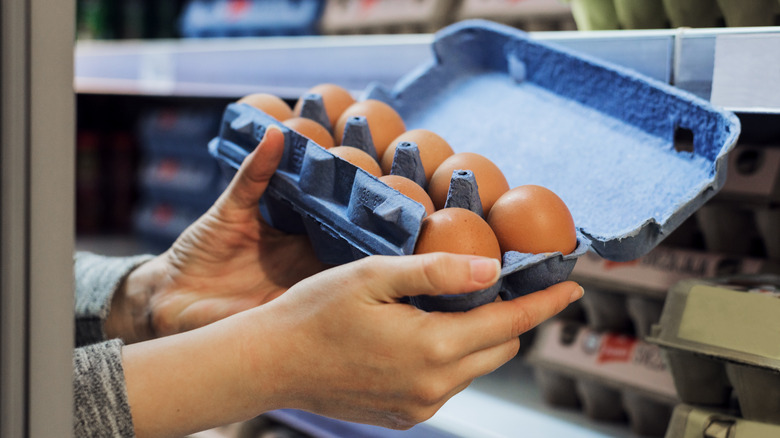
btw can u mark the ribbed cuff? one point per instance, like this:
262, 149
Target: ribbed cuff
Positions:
97, 278
101, 408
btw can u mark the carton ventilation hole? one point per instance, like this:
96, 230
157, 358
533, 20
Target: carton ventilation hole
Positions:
748, 162
683, 140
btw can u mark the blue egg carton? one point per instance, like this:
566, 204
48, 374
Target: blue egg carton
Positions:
600, 136
233, 18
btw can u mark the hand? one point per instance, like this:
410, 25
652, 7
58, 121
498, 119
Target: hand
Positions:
340, 344
229, 260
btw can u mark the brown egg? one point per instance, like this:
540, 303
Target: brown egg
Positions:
433, 150
269, 104
533, 219
336, 99
358, 158
410, 189
459, 231
383, 121
311, 130
491, 183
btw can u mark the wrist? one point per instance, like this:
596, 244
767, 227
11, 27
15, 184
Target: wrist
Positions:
130, 314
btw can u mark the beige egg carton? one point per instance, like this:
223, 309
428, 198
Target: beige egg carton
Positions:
722, 339
611, 377
530, 15
694, 422
386, 16
629, 296
632, 14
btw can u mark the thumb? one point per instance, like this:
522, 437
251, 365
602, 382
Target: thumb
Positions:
431, 274
251, 180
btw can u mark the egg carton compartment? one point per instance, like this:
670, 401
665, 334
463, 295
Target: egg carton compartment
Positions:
741, 228
526, 105
226, 18
610, 377
724, 334
386, 16
657, 14
177, 133
697, 422
530, 15
629, 296
753, 175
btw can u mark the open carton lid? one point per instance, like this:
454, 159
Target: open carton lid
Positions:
600, 136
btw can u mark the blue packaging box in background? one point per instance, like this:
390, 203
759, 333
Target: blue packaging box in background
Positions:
600, 136
230, 18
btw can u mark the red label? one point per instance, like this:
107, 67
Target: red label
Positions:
236, 8
611, 265
616, 348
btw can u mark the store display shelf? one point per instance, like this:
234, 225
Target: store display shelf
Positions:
287, 66
504, 403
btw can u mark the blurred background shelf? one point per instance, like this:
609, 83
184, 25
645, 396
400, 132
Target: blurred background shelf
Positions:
138, 92
288, 66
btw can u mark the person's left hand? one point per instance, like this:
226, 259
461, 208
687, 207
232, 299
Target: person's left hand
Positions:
227, 261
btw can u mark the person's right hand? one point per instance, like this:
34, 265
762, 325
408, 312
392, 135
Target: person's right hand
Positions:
339, 343
342, 345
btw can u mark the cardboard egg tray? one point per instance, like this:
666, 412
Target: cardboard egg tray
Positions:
386, 16
694, 422
176, 133
628, 297
610, 377
529, 15
753, 175
724, 336
741, 228
599, 136
225, 18
630, 14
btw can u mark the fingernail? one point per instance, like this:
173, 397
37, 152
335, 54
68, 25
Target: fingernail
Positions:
577, 294
485, 270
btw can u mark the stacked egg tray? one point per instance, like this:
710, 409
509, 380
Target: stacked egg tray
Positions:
226, 18
387, 16
656, 14
628, 297
611, 377
547, 115
695, 422
721, 340
622, 301
529, 15
745, 216
178, 180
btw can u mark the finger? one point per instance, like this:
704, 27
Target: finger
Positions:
252, 178
429, 274
487, 360
498, 322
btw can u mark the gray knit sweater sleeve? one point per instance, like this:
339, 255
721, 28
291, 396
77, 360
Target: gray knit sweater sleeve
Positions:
97, 277
100, 395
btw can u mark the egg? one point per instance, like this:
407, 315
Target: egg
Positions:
410, 189
358, 158
384, 123
311, 130
269, 104
491, 182
459, 231
335, 99
433, 150
533, 219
